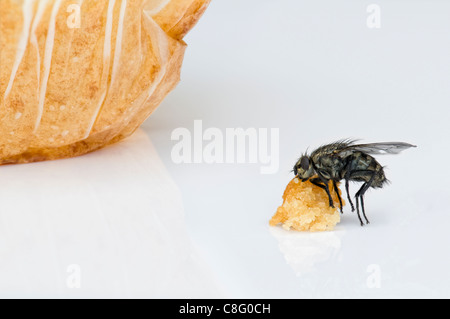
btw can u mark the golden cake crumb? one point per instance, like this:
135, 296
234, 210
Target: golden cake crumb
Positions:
305, 208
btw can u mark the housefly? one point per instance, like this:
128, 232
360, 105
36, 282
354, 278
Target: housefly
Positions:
345, 160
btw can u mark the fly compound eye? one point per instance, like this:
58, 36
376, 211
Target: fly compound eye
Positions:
304, 163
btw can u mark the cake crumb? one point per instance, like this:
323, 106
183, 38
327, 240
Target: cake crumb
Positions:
305, 208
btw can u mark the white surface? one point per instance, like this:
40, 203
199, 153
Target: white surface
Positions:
136, 224
108, 224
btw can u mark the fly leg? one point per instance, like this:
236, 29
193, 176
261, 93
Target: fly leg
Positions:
348, 193
361, 192
336, 190
323, 183
357, 210
347, 178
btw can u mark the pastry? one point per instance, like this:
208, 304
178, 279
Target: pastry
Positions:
76, 75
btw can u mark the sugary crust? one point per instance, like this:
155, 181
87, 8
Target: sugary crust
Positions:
305, 208
68, 89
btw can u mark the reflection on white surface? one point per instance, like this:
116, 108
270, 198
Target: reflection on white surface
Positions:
108, 224
303, 250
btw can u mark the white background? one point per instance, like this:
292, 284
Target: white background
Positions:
128, 222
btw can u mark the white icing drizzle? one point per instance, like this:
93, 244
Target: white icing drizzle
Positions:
27, 10
106, 63
49, 43
33, 38
118, 52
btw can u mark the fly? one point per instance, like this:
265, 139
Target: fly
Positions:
345, 160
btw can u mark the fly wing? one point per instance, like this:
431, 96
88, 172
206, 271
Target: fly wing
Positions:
334, 148
379, 148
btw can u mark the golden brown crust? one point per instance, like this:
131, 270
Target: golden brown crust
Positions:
305, 208
180, 16
66, 91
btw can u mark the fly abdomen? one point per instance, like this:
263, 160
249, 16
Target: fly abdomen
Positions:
364, 168
380, 179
